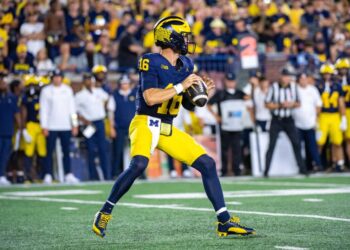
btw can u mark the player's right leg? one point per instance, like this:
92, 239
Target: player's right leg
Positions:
141, 141
184, 148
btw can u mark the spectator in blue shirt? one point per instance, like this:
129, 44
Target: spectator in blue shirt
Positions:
124, 98
9, 113
76, 39
309, 19
22, 61
99, 19
125, 20
73, 17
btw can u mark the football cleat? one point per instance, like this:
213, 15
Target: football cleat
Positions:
232, 226
100, 223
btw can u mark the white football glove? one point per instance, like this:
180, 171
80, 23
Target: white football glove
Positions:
26, 136
343, 123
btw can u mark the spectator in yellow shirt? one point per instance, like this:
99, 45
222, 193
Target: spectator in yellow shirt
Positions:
3, 40
295, 14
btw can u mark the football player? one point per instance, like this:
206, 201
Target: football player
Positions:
342, 66
332, 119
35, 140
164, 77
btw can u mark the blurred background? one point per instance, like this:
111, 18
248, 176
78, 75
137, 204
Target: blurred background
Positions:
244, 45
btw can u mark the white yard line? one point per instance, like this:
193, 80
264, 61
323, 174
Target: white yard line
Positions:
52, 192
290, 248
69, 208
248, 193
284, 184
173, 207
313, 200
233, 202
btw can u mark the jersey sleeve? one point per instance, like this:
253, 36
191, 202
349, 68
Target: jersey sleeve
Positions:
148, 73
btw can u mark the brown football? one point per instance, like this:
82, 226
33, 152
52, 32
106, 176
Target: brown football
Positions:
198, 94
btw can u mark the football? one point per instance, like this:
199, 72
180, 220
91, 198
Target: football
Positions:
198, 94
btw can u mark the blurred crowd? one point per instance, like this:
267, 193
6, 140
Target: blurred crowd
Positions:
89, 49
36, 35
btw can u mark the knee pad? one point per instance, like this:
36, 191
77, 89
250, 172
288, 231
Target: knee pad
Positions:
205, 165
138, 164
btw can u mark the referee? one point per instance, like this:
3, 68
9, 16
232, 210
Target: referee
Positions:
281, 99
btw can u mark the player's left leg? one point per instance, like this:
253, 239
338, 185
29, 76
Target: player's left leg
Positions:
183, 147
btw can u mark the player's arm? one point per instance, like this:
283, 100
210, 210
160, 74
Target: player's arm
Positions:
18, 120
24, 115
154, 96
342, 108
210, 86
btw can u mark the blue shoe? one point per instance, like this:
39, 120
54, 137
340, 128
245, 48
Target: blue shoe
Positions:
232, 226
100, 223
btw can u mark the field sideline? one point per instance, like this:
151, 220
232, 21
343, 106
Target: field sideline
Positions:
288, 213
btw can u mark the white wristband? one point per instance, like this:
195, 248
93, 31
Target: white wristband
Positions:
178, 88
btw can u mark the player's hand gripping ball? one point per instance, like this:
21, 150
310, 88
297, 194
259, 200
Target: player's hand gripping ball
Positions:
198, 93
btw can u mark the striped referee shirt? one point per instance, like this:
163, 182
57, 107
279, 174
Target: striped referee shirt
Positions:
278, 95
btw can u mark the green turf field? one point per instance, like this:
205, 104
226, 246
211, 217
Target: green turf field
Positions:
176, 215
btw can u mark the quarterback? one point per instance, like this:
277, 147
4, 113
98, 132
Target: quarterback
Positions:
164, 77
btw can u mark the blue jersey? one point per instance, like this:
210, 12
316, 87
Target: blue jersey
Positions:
330, 96
30, 100
8, 109
157, 72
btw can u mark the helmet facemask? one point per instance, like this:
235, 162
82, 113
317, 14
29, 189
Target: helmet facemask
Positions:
189, 43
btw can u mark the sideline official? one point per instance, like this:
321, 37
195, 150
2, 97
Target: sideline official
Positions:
282, 99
